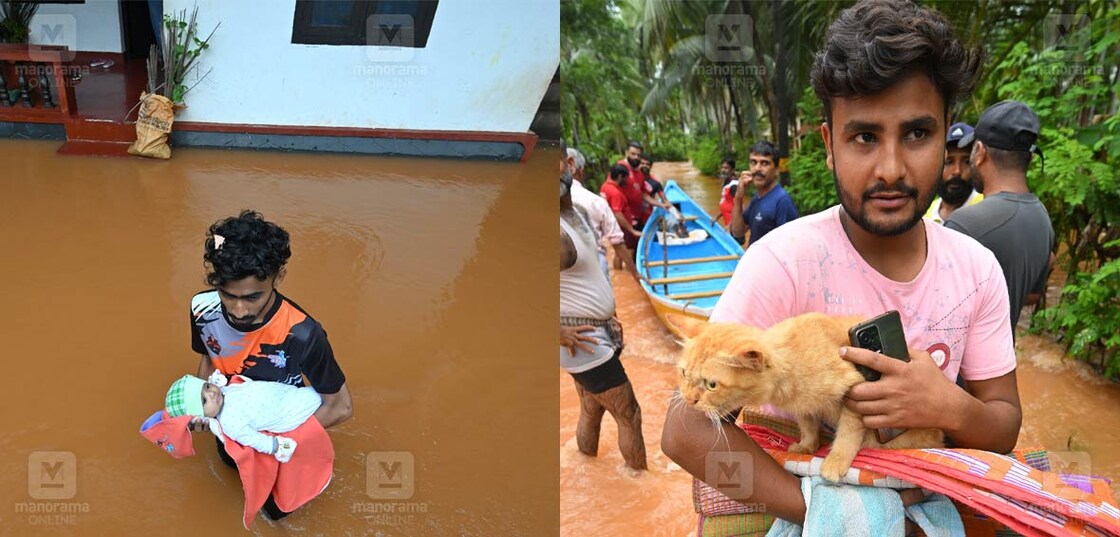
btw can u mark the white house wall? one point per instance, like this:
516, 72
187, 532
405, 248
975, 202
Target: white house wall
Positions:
94, 26
486, 67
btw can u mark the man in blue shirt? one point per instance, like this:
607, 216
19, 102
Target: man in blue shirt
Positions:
770, 206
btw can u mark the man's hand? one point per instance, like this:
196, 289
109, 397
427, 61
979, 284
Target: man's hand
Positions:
910, 395
572, 337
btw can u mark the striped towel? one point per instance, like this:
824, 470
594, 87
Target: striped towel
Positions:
1027, 500
832, 511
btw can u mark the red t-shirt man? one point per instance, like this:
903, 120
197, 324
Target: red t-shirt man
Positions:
619, 203
635, 189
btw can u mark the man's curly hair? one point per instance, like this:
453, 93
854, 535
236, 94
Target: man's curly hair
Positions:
252, 246
875, 43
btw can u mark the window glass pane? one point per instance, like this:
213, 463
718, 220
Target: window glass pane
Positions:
331, 13
398, 7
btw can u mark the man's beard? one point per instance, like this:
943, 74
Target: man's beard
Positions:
955, 191
634, 163
644, 170
884, 230
977, 179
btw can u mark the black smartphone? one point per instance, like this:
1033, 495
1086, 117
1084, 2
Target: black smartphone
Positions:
884, 335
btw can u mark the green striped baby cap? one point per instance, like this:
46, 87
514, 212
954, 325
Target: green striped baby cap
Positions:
185, 397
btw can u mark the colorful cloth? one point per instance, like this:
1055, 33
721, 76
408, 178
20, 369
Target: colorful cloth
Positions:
1015, 491
290, 484
171, 434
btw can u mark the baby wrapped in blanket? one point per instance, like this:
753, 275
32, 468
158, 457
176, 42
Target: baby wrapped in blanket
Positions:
246, 409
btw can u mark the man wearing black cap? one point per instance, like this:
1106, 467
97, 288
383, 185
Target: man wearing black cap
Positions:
1011, 222
956, 187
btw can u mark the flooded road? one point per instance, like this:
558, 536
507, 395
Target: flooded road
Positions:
1066, 407
417, 269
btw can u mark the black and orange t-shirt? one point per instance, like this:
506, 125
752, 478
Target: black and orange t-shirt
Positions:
287, 345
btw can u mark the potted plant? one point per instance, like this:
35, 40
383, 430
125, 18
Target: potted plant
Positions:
158, 105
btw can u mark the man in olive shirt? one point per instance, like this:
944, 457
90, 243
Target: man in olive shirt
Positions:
1011, 221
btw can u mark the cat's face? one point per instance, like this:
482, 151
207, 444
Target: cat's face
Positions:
724, 367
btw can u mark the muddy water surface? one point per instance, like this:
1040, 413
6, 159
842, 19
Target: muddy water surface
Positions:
418, 269
1066, 407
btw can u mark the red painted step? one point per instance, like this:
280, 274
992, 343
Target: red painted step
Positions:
95, 149
100, 130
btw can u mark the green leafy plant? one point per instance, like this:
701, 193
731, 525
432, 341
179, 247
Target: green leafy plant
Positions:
181, 49
811, 185
16, 15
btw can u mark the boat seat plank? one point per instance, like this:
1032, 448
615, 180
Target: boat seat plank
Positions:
690, 278
699, 294
728, 257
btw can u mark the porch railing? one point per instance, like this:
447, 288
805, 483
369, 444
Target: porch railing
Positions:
35, 84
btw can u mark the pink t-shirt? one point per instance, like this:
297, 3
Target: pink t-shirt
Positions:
956, 308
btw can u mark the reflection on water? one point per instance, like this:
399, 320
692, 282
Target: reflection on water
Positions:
417, 269
1066, 407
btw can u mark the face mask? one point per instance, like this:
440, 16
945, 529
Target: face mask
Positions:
565, 183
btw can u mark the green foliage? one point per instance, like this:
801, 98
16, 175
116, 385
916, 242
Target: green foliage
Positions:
15, 20
181, 48
1088, 317
1074, 93
811, 185
707, 155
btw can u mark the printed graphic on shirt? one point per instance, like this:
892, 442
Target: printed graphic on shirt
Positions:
288, 345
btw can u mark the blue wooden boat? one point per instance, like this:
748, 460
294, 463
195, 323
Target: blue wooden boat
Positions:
685, 276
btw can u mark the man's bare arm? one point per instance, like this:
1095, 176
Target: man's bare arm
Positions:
989, 417
689, 438
336, 408
625, 224
736, 225
623, 253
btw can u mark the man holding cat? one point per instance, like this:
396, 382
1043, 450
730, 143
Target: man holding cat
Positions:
887, 76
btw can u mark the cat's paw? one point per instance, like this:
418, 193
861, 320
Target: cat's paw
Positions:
803, 447
834, 468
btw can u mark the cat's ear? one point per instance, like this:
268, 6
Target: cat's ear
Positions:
752, 359
685, 326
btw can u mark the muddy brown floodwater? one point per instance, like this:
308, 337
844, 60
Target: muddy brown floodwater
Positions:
1066, 407
439, 310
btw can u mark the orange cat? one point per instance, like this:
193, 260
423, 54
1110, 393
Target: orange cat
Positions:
794, 365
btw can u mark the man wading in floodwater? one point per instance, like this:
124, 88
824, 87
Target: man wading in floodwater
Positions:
591, 338
244, 326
